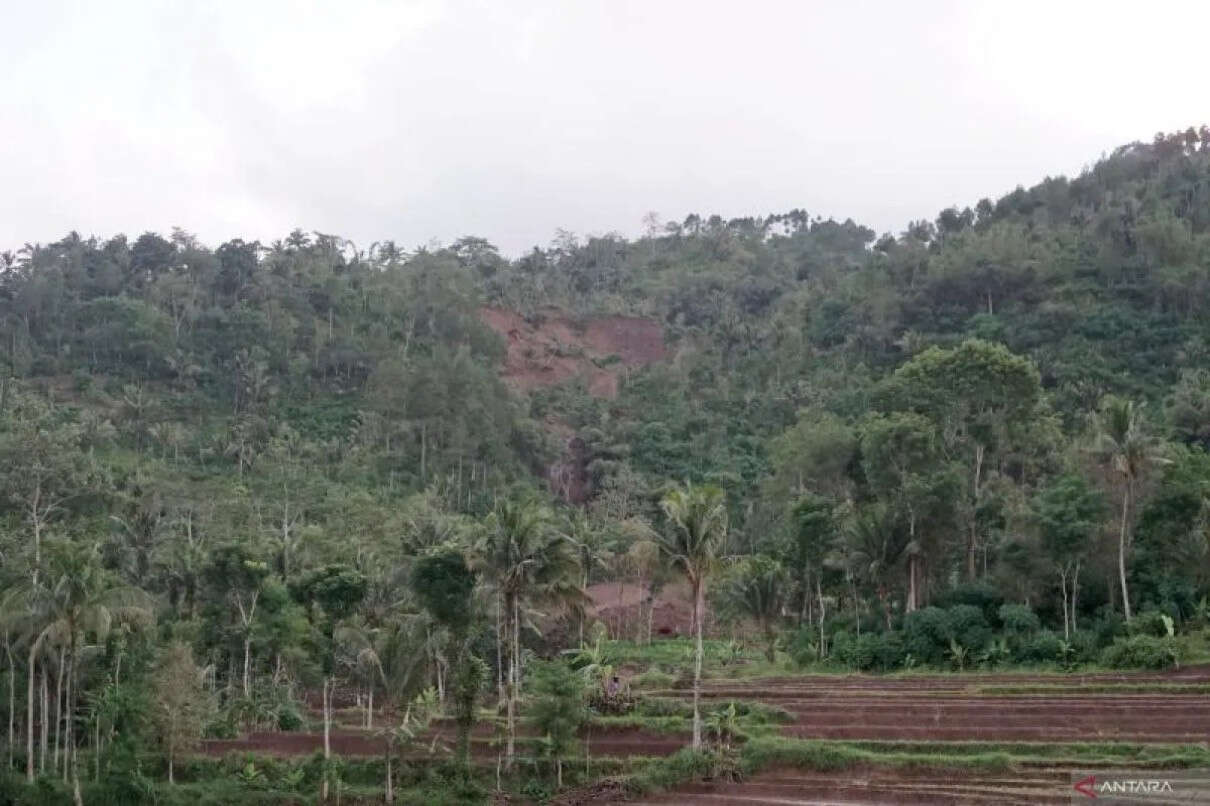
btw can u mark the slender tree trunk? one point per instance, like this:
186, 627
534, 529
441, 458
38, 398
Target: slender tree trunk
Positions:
29, 713
12, 697
698, 604
512, 685
823, 649
59, 710
45, 725
1066, 616
1122, 551
69, 734
327, 699
972, 537
500, 628
247, 664
171, 759
370, 710
1075, 592
390, 790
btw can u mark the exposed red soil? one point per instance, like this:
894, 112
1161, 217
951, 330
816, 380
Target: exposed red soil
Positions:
553, 348
617, 606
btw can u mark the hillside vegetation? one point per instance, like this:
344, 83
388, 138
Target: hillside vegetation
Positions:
979, 441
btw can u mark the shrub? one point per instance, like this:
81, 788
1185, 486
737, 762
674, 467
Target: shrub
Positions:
1141, 652
1018, 619
803, 648
1042, 647
1087, 647
870, 652
1149, 622
967, 625
926, 635
980, 595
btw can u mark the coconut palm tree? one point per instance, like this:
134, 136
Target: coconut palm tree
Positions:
1127, 450
526, 561
876, 545
77, 600
697, 531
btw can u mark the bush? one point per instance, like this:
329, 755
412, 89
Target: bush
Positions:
1149, 622
1042, 647
1108, 628
1141, 652
803, 648
869, 652
967, 626
926, 635
1018, 620
980, 595
1085, 647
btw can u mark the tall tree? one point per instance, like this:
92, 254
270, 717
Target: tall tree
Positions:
1069, 512
527, 561
979, 394
696, 533
901, 456
1128, 451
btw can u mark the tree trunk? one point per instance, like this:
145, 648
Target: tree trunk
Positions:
58, 710
823, 649
69, 744
1075, 588
972, 537
45, 724
29, 714
12, 697
327, 708
171, 759
390, 791
1122, 552
510, 748
1063, 596
247, 664
500, 627
698, 603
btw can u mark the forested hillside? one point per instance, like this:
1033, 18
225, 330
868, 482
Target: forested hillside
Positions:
255, 443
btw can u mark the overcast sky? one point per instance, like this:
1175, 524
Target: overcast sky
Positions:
423, 121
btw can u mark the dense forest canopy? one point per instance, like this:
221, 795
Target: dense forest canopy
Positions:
1008, 405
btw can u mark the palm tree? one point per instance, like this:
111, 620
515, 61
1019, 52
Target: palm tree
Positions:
1127, 450
77, 600
758, 591
697, 517
590, 546
876, 545
526, 561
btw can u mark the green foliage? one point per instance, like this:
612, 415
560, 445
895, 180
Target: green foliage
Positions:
1018, 620
557, 709
444, 583
1141, 652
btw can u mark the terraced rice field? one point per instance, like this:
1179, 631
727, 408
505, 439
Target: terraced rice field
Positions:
1134, 709
798, 788
955, 707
